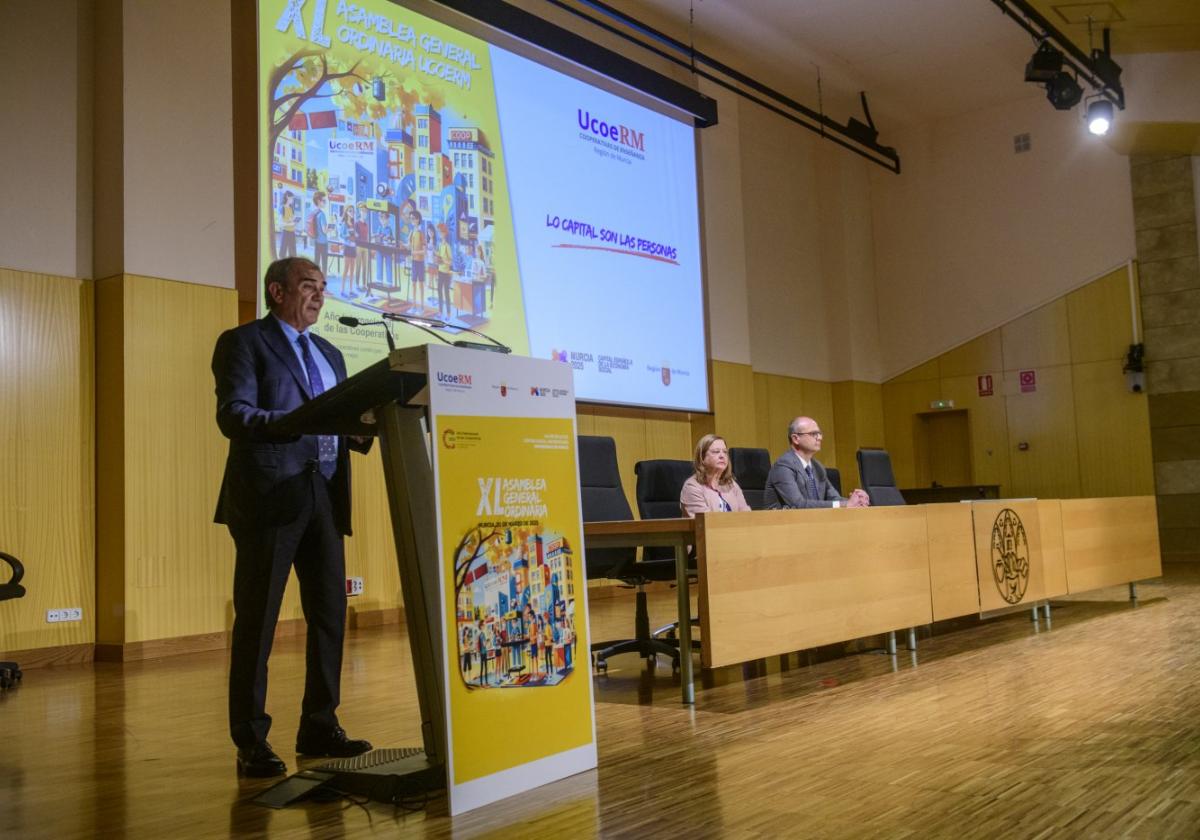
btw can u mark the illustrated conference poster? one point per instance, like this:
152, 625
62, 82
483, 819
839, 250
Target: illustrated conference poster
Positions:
514, 609
432, 175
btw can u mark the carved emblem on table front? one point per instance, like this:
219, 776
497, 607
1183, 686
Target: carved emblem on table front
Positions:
1010, 556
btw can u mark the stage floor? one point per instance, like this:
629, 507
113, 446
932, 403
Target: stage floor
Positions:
1089, 727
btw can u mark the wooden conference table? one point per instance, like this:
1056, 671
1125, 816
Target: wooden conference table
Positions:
772, 582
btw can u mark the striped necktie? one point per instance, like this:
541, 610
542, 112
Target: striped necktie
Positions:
812, 482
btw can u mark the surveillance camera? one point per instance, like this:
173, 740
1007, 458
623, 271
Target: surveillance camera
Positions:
1135, 380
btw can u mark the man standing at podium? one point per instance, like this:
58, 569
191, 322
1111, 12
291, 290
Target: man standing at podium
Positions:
286, 501
798, 480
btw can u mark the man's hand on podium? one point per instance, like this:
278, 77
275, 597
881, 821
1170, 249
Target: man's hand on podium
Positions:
859, 498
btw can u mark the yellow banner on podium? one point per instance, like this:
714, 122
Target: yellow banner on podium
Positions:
513, 592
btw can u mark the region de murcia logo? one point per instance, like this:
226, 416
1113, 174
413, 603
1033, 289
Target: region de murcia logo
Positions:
1010, 556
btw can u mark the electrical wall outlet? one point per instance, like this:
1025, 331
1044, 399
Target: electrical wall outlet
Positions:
68, 614
354, 586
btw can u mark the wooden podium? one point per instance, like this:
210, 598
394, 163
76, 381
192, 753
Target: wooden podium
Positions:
387, 400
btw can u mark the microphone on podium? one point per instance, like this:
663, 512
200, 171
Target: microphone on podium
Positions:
350, 321
429, 325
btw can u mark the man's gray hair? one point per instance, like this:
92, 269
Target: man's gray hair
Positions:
280, 272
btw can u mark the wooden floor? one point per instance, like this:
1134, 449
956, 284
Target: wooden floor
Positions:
1005, 728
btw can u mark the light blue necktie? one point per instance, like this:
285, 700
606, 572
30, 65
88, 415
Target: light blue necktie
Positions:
326, 444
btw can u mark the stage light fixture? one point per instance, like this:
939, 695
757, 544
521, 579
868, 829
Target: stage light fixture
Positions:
1044, 65
1099, 116
1063, 91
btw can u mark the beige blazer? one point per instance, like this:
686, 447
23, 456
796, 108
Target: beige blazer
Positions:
700, 498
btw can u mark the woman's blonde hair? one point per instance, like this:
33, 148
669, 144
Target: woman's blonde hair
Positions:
702, 446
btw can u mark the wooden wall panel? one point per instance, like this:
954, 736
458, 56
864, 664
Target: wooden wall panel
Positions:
902, 401
1114, 456
1045, 420
978, 356
988, 424
734, 403
818, 404
762, 410
1099, 317
928, 370
858, 422
845, 421
178, 563
371, 551
1039, 339
46, 498
109, 372
868, 414
1087, 435
785, 402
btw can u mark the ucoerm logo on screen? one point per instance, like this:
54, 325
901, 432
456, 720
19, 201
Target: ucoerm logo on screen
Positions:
623, 134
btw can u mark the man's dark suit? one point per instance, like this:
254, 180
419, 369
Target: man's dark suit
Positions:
787, 485
281, 512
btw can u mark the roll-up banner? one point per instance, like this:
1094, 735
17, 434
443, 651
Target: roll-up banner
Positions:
513, 595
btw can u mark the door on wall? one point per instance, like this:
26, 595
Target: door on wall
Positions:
943, 449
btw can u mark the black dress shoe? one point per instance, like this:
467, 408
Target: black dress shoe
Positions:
332, 743
259, 762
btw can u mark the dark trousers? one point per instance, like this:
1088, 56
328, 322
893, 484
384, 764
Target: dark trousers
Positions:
265, 556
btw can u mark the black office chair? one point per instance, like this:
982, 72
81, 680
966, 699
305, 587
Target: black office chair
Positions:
875, 470
750, 469
835, 478
10, 674
603, 500
658, 485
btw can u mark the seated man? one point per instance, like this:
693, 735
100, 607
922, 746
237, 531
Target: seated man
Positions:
797, 479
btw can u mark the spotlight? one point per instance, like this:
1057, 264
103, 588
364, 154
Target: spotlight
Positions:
1044, 65
1099, 116
1063, 91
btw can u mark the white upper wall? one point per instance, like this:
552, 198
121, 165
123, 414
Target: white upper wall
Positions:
45, 206
178, 132
972, 235
724, 237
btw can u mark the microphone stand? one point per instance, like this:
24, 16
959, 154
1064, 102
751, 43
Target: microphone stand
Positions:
436, 323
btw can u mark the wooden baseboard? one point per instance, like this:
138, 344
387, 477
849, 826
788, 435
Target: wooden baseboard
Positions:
359, 619
204, 642
47, 656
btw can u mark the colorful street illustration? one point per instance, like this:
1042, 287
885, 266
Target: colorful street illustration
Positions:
515, 595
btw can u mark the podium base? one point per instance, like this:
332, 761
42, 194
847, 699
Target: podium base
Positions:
387, 775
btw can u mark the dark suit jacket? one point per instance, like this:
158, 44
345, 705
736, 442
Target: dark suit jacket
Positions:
787, 485
259, 379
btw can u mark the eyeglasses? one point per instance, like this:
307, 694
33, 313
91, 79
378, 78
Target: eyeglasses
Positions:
814, 433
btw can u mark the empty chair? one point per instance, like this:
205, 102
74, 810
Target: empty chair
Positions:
875, 470
10, 673
750, 468
658, 485
603, 500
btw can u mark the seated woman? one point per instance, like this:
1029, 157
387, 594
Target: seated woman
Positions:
712, 487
